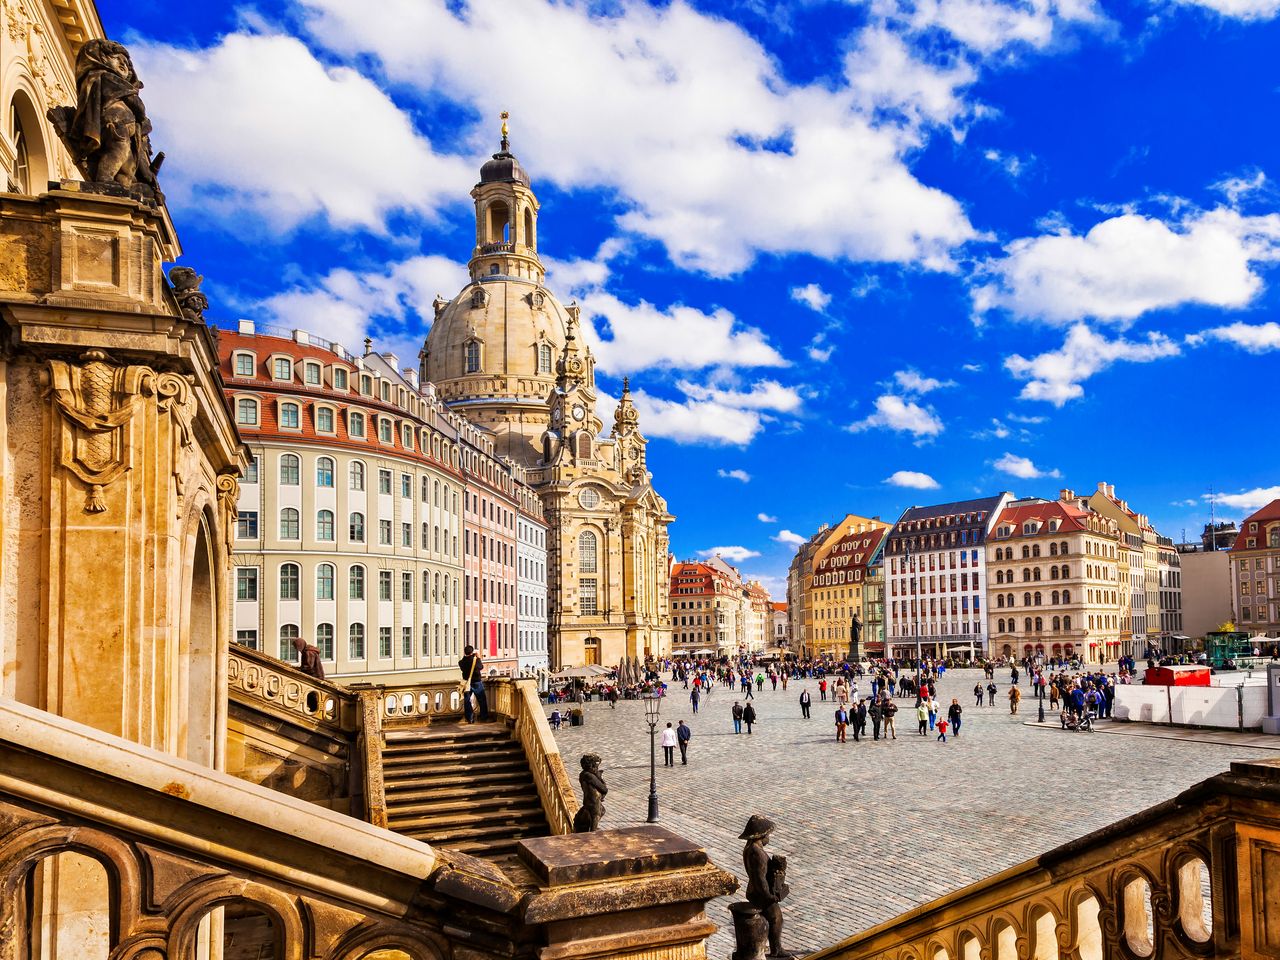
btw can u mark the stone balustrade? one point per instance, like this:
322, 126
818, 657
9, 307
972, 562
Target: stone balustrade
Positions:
158, 858
1196, 876
258, 679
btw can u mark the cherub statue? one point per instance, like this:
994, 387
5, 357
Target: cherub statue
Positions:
593, 791
107, 132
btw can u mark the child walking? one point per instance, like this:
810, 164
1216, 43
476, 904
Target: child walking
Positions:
942, 730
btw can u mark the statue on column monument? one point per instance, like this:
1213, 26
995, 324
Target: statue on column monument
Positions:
855, 639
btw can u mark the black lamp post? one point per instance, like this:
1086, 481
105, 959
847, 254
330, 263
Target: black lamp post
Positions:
652, 707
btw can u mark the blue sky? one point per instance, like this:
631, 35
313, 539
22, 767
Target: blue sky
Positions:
854, 256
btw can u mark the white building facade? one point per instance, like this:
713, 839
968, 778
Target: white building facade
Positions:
531, 587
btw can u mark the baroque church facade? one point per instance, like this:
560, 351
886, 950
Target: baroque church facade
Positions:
506, 353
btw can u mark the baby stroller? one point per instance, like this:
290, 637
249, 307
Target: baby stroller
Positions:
1071, 721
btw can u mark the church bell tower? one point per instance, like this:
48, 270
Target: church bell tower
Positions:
506, 219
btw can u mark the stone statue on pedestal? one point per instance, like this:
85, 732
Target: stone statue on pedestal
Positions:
758, 921
107, 132
186, 290
593, 790
855, 639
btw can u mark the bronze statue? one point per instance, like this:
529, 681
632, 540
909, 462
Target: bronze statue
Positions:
855, 639
186, 290
107, 132
593, 790
761, 915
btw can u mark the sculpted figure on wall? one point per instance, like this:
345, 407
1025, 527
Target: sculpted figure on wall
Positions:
107, 132
186, 290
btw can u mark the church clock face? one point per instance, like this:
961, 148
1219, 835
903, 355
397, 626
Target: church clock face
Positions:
579, 411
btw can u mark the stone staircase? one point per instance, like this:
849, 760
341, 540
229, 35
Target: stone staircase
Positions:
460, 786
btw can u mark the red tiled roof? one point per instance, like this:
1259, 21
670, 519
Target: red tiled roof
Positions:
861, 545
1270, 512
1069, 516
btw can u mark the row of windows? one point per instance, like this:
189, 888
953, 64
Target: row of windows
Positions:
1034, 599
473, 355
291, 476
440, 638
1032, 625
1032, 550
914, 563
1031, 574
436, 587
934, 607
433, 536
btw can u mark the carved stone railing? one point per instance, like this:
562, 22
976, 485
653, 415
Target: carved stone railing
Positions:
1196, 876
152, 856
260, 680
555, 789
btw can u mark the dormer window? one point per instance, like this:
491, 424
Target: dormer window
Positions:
244, 363
324, 420
386, 392
311, 374
290, 416
384, 430
366, 385
339, 378
355, 424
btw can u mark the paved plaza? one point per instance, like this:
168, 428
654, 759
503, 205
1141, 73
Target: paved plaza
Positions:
874, 829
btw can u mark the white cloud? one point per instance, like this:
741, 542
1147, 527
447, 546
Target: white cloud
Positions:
1129, 265
735, 475
903, 416
1234, 188
819, 353
642, 337
683, 115
765, 518
763, 395
256, 126
912, 479
788, 538
911, 381
812, 296
346, 306
887, 74
973, 367
732, 554
1247, 500
1056, 376
997, 431
1018, 418
1238, 9
989, 26
1254, 338
1011, 163
1022, 467
696, 421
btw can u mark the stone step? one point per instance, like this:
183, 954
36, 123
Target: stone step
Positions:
498, 823
500, 834
486, 745
504, 804
476, 770
495, 754
516, 783
450, 731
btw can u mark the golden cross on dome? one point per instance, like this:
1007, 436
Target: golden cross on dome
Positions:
505, 117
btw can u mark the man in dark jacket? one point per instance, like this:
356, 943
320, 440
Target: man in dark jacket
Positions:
472, 669
748, 716
859, 720
953, 714
683, 735
875, 714
737, 717
805, 700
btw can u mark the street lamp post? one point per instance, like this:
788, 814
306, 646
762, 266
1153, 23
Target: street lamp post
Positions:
652, 707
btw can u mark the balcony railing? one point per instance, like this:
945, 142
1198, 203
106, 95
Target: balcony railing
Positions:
1195, 876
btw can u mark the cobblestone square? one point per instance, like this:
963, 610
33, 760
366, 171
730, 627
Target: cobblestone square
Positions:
874, 829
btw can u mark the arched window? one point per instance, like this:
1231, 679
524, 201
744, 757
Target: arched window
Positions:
1039, 625
1066, 596
1026, 576
324, 640
1008, 600
999, 576
472, 356
289, 470
1053, 549
587, 552
324, 472
289, 415
1053, 573
355, 582
20, 170
1055, 596
289, 576
288, 633
324, 581
247, 411
530, 238
999, 599
1000, 625
1035, 550
1026, 623
355, 424
324, 525
355, 474
1038, 598
289, 528
1066, 573
1062, 548
1035, 574
1057, 624
544, 358
355, 642
1026, 552
355, 531
1026, 599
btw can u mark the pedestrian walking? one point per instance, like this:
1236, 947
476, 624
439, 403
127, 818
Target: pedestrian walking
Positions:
694, 697
842, 721
933, 713
953, 715
890, 709
876, 715
737, 717
922, 717
859, 721
977, 694
942, 730
668, 746
1015, 695
822, 688
748, 716
805, 701
991, 694
683, 736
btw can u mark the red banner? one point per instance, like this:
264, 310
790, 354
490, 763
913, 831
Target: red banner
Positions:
493, 639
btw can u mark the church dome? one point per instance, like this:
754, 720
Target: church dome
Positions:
503, 168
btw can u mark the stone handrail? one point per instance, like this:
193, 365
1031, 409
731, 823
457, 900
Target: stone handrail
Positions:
555, 789
262, 681
1193, 877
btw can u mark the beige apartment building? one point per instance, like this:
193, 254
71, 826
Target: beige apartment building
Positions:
1145, 551
1255, 573
801, 601
841, 587
1053, 575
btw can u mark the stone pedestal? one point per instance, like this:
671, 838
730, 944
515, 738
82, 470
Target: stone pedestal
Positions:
637, 892
750, 931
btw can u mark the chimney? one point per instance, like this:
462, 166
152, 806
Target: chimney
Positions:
1066, 494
